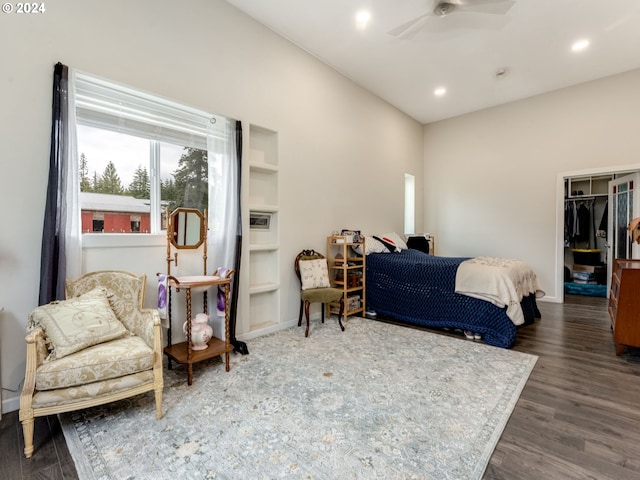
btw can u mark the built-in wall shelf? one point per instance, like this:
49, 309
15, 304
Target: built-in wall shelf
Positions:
264, 241
261, 167
263, 207
264, 247
263, 288
264, 310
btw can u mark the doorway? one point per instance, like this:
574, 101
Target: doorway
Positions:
583, 231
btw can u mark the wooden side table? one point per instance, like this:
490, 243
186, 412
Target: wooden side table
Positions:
182, 352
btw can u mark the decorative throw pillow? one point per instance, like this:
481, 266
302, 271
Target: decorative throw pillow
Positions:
388, 243
371, 245
314, 273
396, 239
77, 323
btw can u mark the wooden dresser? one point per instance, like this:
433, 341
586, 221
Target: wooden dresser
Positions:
624, 303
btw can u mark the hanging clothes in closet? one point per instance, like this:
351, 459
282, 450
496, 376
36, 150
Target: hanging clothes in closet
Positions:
604, 221
579, 217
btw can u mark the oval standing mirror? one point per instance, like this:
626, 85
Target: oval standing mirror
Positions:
187, 228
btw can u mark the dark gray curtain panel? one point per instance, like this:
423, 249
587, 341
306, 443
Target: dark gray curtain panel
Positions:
53, 261
238, 346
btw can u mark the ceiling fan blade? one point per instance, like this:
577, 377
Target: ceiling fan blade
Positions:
498, 7
404, 30
409, 29
465, 21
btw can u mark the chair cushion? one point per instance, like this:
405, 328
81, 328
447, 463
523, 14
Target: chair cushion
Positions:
94, 393
321, 295
314, 273
75, 324
109, 360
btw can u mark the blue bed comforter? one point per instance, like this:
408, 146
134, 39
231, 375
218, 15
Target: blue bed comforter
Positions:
418, 288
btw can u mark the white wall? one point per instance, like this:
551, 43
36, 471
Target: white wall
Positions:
491, 177
343, 152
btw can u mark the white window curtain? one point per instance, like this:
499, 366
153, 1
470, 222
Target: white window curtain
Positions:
223, 210
224, 151
73, 231
223, 184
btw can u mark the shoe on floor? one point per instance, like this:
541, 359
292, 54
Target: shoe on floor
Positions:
477, 336
468, 334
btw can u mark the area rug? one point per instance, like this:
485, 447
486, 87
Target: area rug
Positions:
376, 401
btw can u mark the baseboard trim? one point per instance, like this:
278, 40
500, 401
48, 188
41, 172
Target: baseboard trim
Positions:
10, 404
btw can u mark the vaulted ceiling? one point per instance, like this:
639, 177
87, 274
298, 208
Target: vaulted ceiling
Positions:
509, 51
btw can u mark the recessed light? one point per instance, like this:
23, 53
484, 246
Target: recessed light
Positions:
440, 91
362, 19
580, 45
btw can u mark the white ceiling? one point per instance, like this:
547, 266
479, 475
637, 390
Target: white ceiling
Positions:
461, 52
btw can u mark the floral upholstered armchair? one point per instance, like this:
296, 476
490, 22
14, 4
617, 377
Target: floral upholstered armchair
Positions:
97, 346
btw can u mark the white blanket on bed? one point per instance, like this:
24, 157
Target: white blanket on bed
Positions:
501, 281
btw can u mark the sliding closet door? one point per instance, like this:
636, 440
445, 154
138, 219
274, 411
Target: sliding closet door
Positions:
624, 205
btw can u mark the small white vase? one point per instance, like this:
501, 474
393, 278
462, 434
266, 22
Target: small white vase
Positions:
201, 331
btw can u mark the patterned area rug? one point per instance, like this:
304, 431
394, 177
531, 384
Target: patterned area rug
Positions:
375, 401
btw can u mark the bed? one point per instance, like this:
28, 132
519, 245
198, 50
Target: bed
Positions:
420, 289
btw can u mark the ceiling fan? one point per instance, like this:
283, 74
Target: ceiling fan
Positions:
446, 8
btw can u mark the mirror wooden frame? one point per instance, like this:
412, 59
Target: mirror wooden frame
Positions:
179, 225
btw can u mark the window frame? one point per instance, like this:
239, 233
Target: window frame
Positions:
182, 123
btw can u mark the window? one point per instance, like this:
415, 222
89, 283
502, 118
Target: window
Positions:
409, 203
140, 155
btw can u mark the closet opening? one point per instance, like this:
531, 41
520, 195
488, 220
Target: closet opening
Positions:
585, 236
591, 228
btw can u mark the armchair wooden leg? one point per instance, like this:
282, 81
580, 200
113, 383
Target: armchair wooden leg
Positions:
300, 314
158, 396
340, 313
306, 313
27, 431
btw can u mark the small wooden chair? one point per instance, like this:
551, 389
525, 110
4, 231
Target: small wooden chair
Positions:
315, 286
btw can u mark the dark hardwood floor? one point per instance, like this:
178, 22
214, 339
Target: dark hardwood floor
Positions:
578, 416
51, 459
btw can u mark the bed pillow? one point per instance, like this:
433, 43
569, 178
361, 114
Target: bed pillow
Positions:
388, 244
314, 274
396, 239
371, 245
392, 241
75, 324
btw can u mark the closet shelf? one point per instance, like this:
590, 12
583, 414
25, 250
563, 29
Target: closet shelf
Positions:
586, 197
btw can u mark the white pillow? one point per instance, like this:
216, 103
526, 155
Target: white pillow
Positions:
314, 273
77, 323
